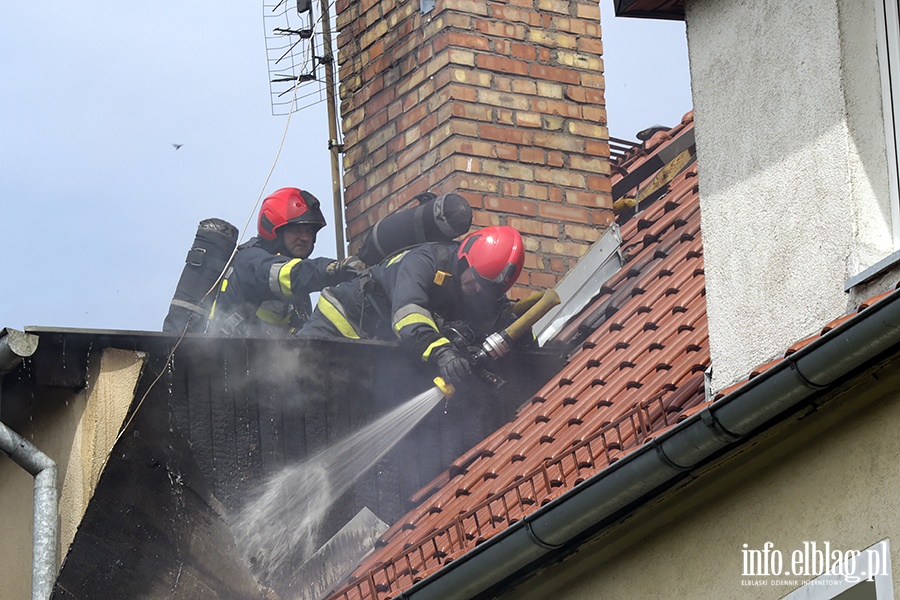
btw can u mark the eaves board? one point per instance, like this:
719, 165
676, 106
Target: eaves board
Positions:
651, 9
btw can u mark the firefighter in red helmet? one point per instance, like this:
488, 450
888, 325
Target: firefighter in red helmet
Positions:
409, 296
265, 291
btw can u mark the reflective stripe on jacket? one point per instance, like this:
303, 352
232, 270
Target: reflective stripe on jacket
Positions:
399, 299
267, 294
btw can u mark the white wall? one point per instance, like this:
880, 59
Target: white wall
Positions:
793, 184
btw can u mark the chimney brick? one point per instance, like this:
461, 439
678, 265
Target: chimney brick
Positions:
500, 101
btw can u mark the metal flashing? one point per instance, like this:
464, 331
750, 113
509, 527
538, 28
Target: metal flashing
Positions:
874, 271
353, 542
580, 285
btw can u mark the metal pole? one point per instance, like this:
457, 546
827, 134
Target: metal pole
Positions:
14, 347
333, 144
46, 509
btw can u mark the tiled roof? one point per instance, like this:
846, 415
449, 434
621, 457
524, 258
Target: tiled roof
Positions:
638, 370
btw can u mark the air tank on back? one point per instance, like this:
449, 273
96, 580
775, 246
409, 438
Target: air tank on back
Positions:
433, 219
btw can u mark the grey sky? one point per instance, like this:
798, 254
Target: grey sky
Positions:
99, 208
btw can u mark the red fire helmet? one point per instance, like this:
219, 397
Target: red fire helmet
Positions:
288, 205
496, 254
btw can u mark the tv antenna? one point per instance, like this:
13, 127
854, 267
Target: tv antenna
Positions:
300, 74
294, 55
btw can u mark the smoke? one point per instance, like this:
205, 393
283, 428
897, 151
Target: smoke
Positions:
282, 371
276, 366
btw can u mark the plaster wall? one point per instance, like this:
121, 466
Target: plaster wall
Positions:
95, 434
793, 179
76, 430
870, 190
15, 530
830, 476
51, 428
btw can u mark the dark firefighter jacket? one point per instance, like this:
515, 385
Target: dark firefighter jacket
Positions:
267, 294
406, 297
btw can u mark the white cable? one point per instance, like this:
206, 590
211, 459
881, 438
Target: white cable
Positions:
218, 279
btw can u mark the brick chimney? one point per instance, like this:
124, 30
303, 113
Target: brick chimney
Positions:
501, 102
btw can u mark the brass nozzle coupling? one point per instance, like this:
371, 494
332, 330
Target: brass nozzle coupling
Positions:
446, 388
496, 345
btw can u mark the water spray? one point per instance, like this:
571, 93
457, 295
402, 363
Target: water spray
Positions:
278, 529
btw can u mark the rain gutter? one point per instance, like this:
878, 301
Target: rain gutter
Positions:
14, 347
663, 461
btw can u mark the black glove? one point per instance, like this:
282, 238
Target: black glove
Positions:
453, 366
350, 266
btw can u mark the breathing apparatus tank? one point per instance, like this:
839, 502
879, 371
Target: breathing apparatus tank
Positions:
213, 246
434, 219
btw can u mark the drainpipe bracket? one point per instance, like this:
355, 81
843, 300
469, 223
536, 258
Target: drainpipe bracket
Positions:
792, 364
665, 458
537, 540
717, 429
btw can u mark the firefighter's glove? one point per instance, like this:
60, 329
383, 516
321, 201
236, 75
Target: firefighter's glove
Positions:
453, 366
349, 267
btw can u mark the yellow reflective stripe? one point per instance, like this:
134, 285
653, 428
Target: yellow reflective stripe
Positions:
273, 317
396, 258
413, 319
284, 276
412, 314
441, 342
330, 312
212, 309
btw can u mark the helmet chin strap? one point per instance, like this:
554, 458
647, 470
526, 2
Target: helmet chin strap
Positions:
460, 266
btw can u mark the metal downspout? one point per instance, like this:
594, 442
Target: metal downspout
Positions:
14, 347
660, 463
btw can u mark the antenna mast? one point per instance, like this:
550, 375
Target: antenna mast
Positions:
293, 64
333, 145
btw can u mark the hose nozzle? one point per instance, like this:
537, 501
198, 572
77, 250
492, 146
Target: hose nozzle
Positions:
446, 388
534, 307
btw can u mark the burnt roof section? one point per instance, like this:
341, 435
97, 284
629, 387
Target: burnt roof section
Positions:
235, 412
642, 350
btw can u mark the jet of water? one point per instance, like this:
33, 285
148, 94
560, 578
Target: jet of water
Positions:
278, 528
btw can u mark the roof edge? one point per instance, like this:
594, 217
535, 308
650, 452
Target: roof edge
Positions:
658, 9
663, 461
